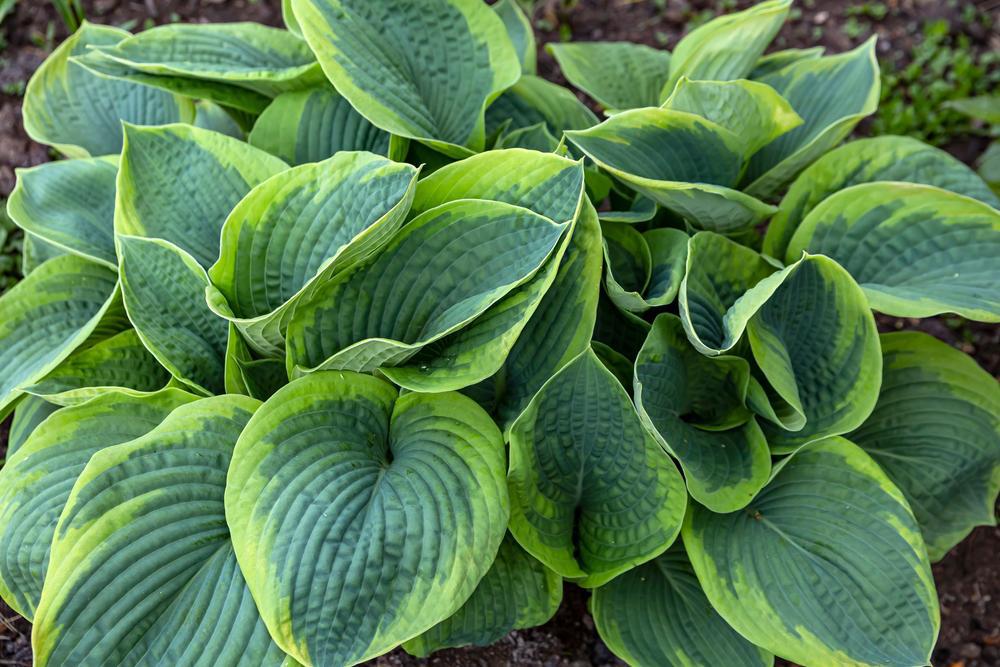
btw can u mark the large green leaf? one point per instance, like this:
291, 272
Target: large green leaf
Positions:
520, 31
80, 113
656, 615
362, 518
69, 203
619, 75
427, 283
727, 47
46, 316
242, 103
592, 495
295, 231
375, 52
936, 432
36, 481
775, 60
561, 326
753, 111
885, 158
830, 570
120, 363
685, 163
715, 298
815, 341
644, 270
30, 412
696, 408
142, 565
248, 55
832, 95
311, 125
164, 291
916, 250
517, 592
179, 182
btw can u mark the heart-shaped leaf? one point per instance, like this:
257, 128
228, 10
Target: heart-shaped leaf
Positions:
70, 203
831, 567
143, 555
592, 495
936, 432
80, 113
618, 75
178, 183
46, 316
916, 250
52, 458
339, 486
375, 53
885, 158
657, 614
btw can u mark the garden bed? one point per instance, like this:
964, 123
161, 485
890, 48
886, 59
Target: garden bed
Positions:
968, 578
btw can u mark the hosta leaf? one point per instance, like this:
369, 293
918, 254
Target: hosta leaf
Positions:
561, 326
775, 60
831, 567
211, 116
517, 592
339, 486
311, 125
164, 291
376, 55
52, 458
249, 55
638, 209
715, 300
30, 412
618, 75
120, 363
832, 95
37, 251
916, 250
658, 615
69, 203
178, 183
644, 270
815, 341
521, 34
591, 493
727, 47
885, 158
298, 229
534, 100
663, 154
362, 319
936, 432
228, 95
80, 113
752, 111
142, 565
46, 316
695, 406
549, 185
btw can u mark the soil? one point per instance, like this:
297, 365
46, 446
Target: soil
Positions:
968, 578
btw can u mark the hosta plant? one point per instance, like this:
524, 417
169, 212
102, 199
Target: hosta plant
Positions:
359, 334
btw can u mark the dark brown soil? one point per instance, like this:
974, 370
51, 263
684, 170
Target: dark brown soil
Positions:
968, 578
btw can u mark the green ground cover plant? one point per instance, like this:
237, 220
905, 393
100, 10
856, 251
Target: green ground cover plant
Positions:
359, 334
